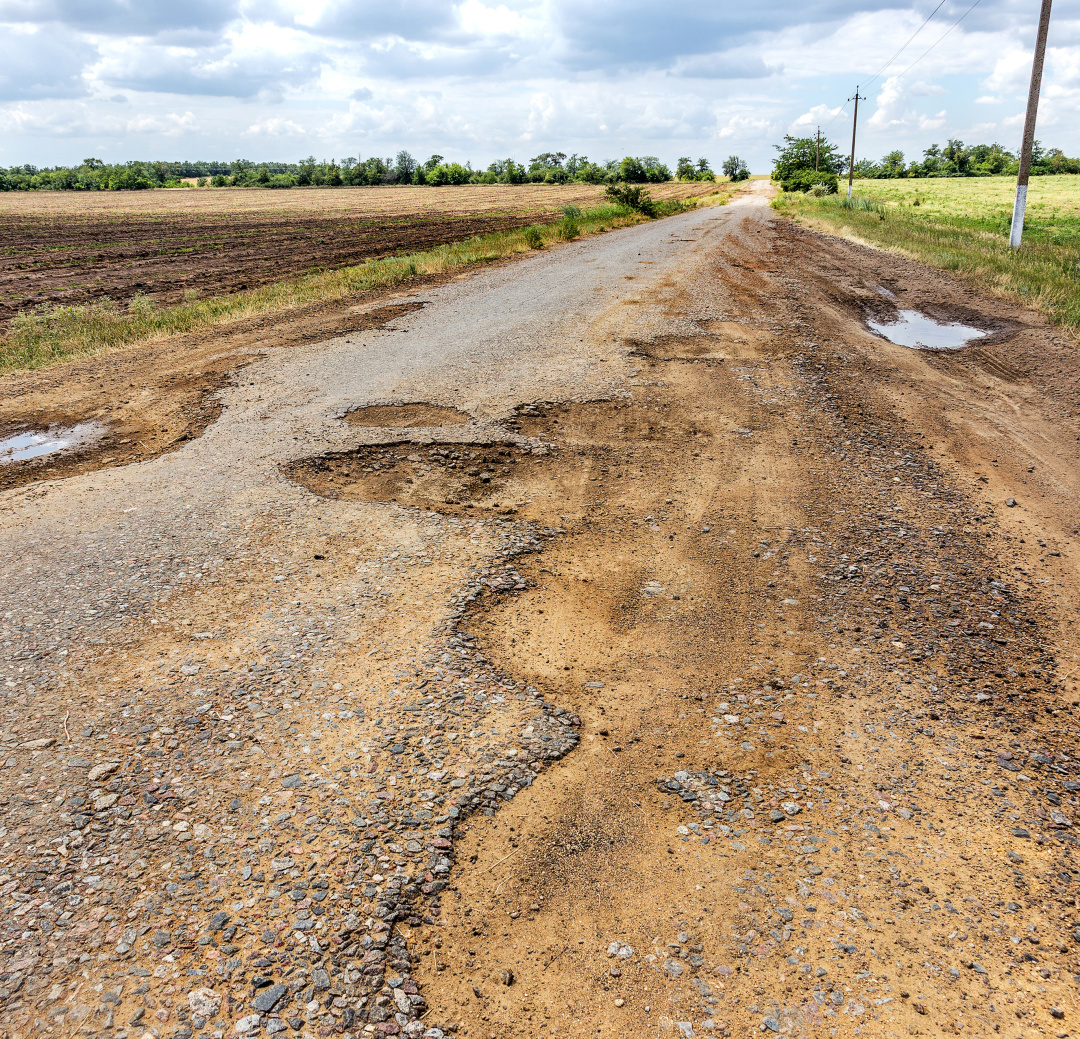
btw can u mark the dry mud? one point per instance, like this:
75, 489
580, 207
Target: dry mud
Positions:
738, 699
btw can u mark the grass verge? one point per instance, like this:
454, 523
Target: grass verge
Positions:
1044, 274
50, 335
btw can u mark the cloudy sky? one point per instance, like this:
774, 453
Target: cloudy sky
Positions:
480, 79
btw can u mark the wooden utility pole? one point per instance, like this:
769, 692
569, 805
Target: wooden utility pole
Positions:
817, 150
854, 126
1016, 233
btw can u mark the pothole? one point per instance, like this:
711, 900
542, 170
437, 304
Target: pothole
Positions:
31, 444
683, 348
918, 331
451, 478
419, 415
617, 423
573, 454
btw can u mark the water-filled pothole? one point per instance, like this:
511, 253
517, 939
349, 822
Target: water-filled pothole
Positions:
30, 444
920, 332
419, 415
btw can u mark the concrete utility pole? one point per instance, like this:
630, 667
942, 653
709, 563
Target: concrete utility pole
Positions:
854, 125
1016, 233
817, 150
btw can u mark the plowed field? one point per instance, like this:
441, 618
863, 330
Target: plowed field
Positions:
70, 248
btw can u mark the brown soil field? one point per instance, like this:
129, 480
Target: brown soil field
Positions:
70, 248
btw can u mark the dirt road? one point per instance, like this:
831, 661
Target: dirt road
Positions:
619, 642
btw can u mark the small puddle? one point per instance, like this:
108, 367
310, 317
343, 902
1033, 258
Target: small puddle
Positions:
35, 444
924, 333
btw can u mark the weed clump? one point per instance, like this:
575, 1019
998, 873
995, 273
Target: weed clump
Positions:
633, 197
568, 229
534, 239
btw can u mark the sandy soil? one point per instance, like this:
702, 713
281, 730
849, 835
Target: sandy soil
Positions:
716, 675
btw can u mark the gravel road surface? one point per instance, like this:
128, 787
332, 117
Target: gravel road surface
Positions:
623, 640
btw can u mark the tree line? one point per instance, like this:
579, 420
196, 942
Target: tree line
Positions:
803, 162
546, 168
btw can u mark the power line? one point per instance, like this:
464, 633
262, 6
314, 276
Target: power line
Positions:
942, 37
921, 56
907, 44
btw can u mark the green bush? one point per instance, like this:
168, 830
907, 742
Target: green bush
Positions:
571, 211
736, 169
802, 154
568, 229
804, 180
635, 198
675, 205
533, 237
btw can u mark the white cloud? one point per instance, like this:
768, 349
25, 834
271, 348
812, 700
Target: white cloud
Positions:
484, 78
275, 128
817, 116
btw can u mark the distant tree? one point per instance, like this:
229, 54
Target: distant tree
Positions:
542, 166
404, 167
576, 163
643, 169
631, 171
893, 164
684, 169
591, 173
507, 171
735, 168
307, 171
704, 170
798, 153
955, 158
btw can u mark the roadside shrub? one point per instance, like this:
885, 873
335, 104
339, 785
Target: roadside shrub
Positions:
635, 198
568, 229
804, 180
675, 205
533, 237
571, 211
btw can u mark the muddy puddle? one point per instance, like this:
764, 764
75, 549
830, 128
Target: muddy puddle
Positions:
32, 444
918, 331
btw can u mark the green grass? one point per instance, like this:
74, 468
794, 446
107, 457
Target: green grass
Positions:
962, 225
50, 335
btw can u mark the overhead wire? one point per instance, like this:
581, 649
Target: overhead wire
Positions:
910, 40
843, 110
